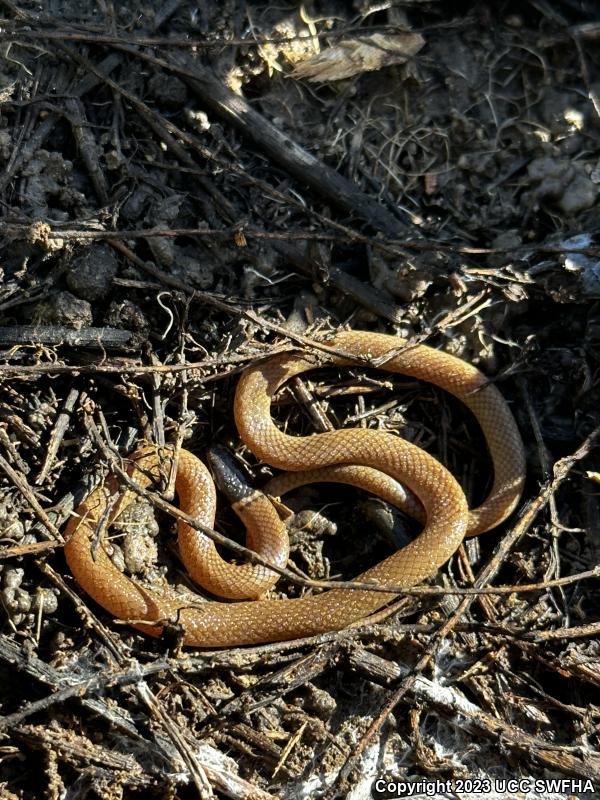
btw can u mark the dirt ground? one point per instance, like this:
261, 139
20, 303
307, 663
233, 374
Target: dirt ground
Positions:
188, 187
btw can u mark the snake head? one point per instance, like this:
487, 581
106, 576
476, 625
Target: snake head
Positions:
227, 475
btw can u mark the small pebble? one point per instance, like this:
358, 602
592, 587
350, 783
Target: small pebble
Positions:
63, 308
91, 274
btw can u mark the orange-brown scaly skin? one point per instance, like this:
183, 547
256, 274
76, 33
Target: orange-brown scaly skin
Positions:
448, 520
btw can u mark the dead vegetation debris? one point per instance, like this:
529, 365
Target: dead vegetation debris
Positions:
186, 187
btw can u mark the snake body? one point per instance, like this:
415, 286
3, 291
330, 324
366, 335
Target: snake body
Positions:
322, 456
